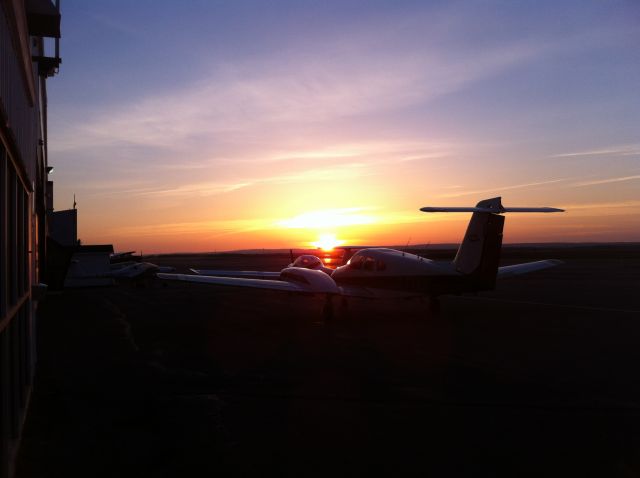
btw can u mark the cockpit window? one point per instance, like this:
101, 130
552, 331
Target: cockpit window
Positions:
307, 262
363, 262
369, 264
356, 262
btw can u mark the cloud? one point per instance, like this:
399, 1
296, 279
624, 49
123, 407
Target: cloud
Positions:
631, 150
331, 163
210, 188
212, 228
603, 205
499, 189
287, 90
606, 181
395, 151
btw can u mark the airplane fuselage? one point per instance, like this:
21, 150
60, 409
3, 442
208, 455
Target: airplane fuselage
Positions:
390, 269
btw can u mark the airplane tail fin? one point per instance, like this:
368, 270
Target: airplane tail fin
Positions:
479, 252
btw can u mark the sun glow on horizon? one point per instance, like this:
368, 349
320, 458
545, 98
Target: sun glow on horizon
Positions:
327, 242
329, 218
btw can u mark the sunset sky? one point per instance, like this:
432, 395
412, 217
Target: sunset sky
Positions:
221, 125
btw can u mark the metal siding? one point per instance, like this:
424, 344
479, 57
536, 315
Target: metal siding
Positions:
3, 233
21, 117
21, 129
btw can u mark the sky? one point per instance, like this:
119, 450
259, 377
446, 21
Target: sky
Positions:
235, 124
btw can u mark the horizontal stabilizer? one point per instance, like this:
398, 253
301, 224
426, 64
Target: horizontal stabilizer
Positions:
518, 269
491, 210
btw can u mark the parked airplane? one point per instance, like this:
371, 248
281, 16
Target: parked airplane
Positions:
388, 273
125, 265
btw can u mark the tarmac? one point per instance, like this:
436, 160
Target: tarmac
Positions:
538, 378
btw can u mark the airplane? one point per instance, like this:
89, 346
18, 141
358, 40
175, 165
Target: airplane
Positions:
127, 256
134, 270
125, 265
380, 272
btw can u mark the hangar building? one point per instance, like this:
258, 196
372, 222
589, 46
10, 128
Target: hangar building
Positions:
25, 26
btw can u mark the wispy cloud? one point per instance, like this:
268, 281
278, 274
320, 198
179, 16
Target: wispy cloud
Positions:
333, 163
606, 181
284, 90
630, 150
210, 228
499, 189
211, 188
596, 206
394, 151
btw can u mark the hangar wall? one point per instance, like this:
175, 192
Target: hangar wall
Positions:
24, 68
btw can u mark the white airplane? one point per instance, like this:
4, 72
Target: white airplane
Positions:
388, 273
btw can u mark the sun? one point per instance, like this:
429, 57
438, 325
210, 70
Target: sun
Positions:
327, 242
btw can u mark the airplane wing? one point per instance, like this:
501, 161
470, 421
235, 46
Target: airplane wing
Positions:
134, 270
237, 282
290, 286
242, 274
373, 293
517, 269
291, 280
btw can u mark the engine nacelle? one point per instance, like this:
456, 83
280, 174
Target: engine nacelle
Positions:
316, 281
309, 261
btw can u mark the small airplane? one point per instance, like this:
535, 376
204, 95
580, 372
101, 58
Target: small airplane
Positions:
379, 272
126, 265
127, 256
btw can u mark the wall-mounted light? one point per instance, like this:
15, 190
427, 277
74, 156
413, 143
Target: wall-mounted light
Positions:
49, 169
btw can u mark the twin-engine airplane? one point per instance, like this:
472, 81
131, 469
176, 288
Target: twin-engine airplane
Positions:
388, 273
